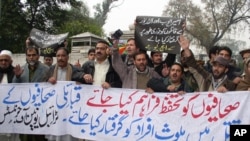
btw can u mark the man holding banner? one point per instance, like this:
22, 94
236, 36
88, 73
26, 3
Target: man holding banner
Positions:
32, 71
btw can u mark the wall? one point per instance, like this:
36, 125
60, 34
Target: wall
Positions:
20, 58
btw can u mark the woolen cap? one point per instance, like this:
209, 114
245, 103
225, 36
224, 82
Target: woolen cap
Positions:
6, 52
244, 51
221, 60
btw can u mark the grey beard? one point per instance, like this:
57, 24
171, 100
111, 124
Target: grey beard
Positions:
32, 63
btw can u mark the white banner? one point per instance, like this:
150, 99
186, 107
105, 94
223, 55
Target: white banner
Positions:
90, 112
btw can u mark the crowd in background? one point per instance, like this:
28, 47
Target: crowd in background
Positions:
136, 69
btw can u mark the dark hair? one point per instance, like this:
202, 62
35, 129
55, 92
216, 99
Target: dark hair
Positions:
178, 64
153, 52
48, 55
32, 48
64, 49
226, 49
213, 50
92, 50
129, 39
139, 53
103, 41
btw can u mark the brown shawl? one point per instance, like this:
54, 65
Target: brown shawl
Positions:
68, 73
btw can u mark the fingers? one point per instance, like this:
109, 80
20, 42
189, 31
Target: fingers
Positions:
149, 90
52, 80
222, 89
105, 85
88, 78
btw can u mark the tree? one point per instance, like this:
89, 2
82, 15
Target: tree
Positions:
47, 15
102, 11
18, 17
13, 26
209, 22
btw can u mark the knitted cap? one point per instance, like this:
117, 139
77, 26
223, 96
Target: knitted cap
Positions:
6, 52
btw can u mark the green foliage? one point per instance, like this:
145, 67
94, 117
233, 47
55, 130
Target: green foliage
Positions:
18, 17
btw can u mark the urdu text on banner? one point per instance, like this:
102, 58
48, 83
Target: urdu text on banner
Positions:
90, 112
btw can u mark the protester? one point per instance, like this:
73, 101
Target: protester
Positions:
6, 68
211, 54
6, 76
100, 71
156, 62
63, 71
134, 76
91, 54
48, 60
32, 71
244, 84
131, 49
215, 81
173, 83
188, 76
245, 54
233, 72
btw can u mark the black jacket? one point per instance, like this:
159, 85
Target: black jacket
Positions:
10, 73
111, 77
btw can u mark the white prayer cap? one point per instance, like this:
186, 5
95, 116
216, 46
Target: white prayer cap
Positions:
6, 52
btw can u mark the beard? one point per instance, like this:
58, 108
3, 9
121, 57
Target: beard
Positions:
218, 76
32, 63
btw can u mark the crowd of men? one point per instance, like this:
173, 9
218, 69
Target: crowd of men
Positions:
108, 68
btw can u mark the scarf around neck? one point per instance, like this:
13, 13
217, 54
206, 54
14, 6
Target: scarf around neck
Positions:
68, 73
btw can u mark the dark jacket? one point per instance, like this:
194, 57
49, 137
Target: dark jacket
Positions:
77, 74
204, 78
111, 77
169, 60
10, 73
160, 85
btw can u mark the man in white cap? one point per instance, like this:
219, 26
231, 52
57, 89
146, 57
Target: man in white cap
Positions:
6, 76
6, 68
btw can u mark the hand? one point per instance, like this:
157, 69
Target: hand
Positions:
115, 44
236, 80
149, 90
77, 64
52, 80
181, 92
105, 85
18, 71
171, 88
184, 42
88, 78
222, 89
165, 70
184, 25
